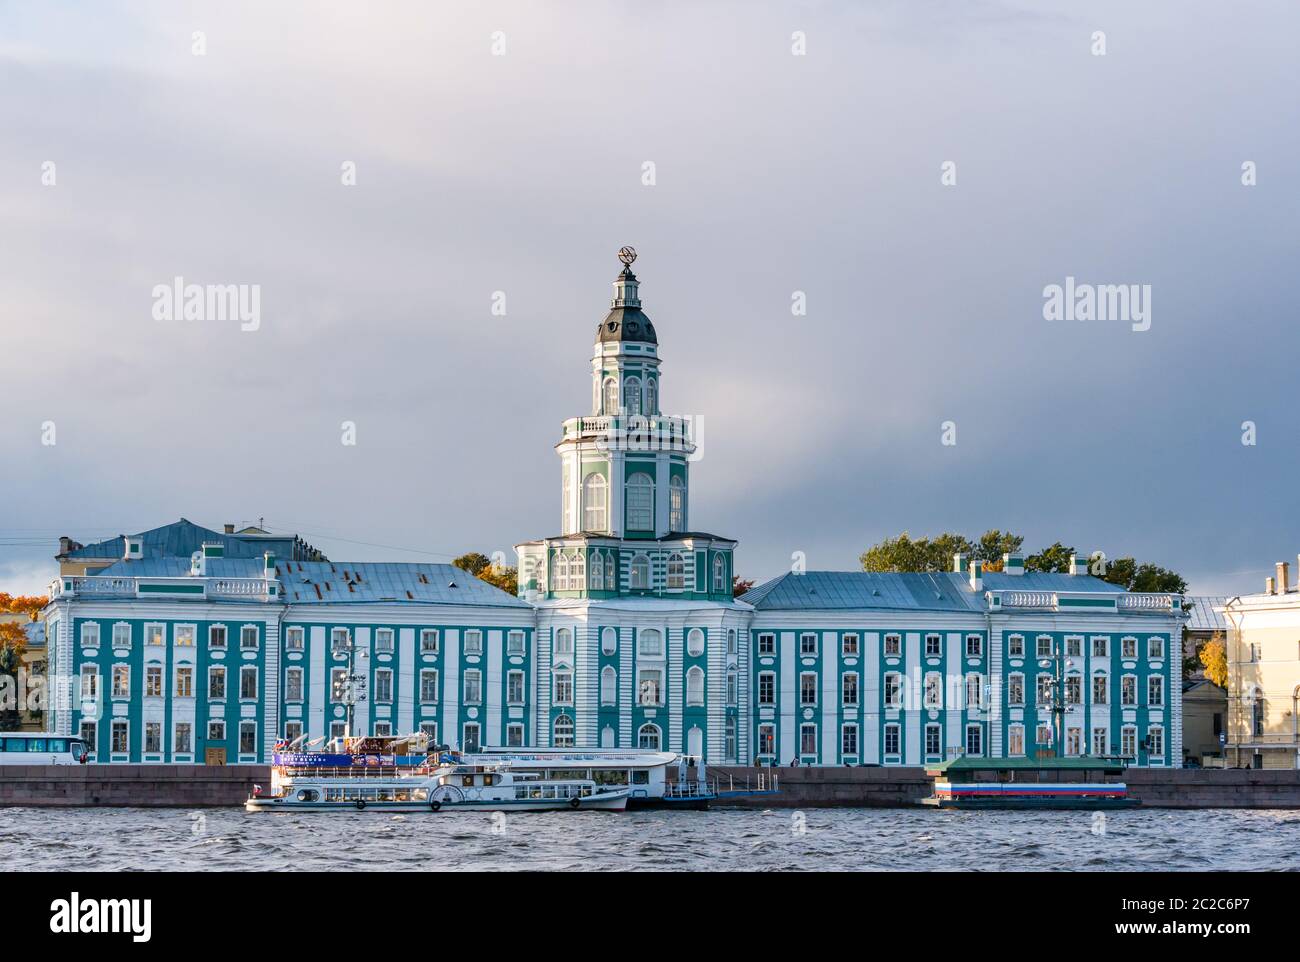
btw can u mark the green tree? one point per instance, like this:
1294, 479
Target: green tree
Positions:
1055, 557
993, 544
922, 554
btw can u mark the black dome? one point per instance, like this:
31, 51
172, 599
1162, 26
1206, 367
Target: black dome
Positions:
626, 324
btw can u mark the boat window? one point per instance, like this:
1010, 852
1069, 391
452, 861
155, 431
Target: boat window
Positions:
640, 777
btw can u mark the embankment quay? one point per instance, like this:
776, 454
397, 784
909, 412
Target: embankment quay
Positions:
187, 786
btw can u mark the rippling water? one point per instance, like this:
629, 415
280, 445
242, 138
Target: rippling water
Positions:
826, 839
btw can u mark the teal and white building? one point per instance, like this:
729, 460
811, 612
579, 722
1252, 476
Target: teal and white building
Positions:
187, 645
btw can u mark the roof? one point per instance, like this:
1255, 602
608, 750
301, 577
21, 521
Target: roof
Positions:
627, 543
969, 764
908, 590
182, 538
323, 582
1202, 616
626, 321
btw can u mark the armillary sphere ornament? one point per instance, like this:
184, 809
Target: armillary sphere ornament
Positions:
627, 255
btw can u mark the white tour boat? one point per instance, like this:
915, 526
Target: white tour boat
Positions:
381, 774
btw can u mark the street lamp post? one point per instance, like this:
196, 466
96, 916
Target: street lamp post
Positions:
351, 688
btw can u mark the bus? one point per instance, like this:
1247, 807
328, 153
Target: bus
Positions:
40, 748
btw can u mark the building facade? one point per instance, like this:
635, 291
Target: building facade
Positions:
186, 645
1263, 654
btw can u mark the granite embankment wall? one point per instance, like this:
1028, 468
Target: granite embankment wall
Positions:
890, 787
194, 786
181, 786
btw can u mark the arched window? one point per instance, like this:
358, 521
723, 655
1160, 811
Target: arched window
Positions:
648, 737
594, 500
719, 574
566, 498
695, 642
676, 504
607, 737
563, 644
578, 572
632, 395
651, 396
597, 580
640, 503
563, 730
676, 571
640, 572
540, 572
611, 396
695, 686
608, 685
561, 581
649, 643
608, 641
731, 641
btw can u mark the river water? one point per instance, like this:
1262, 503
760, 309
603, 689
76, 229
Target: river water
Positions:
125, 839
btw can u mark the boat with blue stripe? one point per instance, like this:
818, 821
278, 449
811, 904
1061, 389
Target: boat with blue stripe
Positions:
970, 782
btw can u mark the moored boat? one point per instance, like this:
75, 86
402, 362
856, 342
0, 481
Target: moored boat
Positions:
1028, 783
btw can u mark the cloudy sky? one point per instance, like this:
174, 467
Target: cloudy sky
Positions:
774, 173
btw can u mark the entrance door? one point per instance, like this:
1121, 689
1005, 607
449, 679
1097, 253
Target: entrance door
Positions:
695, 742
214, 756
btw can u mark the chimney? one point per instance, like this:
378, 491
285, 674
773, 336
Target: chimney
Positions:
230, 529
268, 565
197, 565
1268, 586
959, 563
976, 575
1078, 567
65, 544
1013, 564
134, 549
1283, 577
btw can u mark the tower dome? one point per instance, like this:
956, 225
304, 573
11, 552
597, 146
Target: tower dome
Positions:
625, 320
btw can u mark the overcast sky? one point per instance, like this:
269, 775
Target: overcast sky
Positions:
775, 173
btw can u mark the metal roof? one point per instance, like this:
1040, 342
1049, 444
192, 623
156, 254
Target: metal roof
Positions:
182, 538
323, 582
1203, 617
908, 590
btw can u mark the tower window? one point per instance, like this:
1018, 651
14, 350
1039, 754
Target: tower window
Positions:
611, 396
594, 500
676, 505
640, 503
640, 572
597, 578
719, 574
632, 395
676, 571
651, 396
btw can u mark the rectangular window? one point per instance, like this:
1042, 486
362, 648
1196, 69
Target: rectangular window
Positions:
649, 686
1155, 648
563, 688
849, 740
340, 641
1016, 689
121, 636
515, 688
428, 685
892, 739
767, 644
849, 691
1156, 741
248, 683
849, 646
767, 688
429, 641
183, 743
1074, 741
893, 690
153, 634
974, 740
384, 640
152, 737
808, 644
933, 740
292, 731
216, 730
514, 735
1074, 689
248, 637
933, 646
1099, 646
293, 639
121, 681
90, 634
515, 643
337, 728
184, 682
807, 688
293, 684
474, 642
473, 683
430, 728
1128, 647
471, 737
1099, 686
974, 692
89, 682
1016, 740
1044, 643
153, 681
248, 738
1128, 690
1099, 742
1074, 647
1043, 695
383, 729
89, 737
120, 742
974, 646
1016, 646
183, 635
1156, 691
216, 636
1128, 741
767, 739
383, 685
808, 739
893, 646
217, 682
933, 690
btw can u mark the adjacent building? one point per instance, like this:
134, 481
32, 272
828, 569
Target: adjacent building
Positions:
187, 645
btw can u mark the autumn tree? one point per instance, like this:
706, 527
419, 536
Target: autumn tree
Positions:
739, 586
505, 577
13, 642
1214, 656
